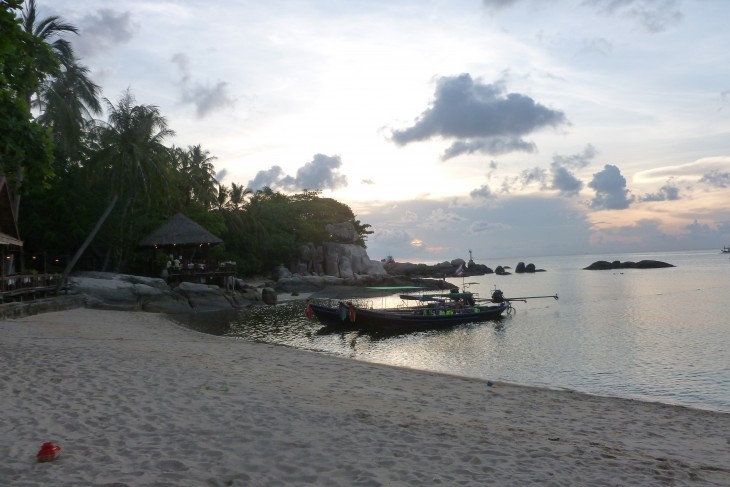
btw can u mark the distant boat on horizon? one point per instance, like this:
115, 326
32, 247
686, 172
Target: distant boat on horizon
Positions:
725, 250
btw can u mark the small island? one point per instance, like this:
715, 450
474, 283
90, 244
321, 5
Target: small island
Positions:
602, 265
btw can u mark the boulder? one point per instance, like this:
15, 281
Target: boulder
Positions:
643, 264
269, 296
204, 297
104, 290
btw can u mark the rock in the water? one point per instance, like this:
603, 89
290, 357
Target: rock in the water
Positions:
269, 296
643, 264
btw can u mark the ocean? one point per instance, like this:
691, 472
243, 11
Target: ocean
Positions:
659, 335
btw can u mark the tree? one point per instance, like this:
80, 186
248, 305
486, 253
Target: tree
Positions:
238, 195
65, 97
130, 159
25, 146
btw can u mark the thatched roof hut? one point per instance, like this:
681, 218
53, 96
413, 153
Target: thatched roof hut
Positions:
179, 231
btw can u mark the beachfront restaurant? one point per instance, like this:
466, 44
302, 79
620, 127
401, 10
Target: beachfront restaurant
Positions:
183, 247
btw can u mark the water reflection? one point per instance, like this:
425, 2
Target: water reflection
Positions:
656, 334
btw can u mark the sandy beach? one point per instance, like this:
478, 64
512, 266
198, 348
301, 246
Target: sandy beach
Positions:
135, 399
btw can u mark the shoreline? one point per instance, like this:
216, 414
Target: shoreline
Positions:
134, 398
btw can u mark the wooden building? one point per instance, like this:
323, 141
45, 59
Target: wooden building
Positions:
186, 244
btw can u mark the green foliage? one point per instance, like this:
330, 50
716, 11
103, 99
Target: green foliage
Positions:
125, 156
24, 61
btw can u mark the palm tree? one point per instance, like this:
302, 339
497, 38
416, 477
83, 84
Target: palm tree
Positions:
67, 98
203, 175
130, 159
238, 195
222, 196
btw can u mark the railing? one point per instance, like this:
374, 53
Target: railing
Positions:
22, 286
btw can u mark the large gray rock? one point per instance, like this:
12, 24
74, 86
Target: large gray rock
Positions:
135, 293
204, 297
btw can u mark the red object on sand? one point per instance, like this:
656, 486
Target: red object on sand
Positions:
48, 452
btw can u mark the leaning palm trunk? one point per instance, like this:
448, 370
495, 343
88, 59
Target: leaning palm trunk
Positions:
88, 240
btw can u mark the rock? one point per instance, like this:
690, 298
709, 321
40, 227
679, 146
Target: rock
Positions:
280, 272
644, 264
500, 271
125, 292
268, 296
205, 297
520, 268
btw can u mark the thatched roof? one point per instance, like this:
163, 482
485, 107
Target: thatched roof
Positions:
9, 234
179, 230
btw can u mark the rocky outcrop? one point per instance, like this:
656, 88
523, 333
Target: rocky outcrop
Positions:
105, 290
529, 268
642, 264
332, 259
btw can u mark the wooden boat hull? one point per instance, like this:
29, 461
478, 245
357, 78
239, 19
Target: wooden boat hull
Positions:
400, 319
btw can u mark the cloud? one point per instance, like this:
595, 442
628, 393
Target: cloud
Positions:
563, 179
610, 187
653, 15
221, 175
484, 226
668, 192
493, 146
495, 5
322, 172
480, 117
101, 32
536, 175
274, 178
441, 219
716, 178
205, 98
483, 191
691, 170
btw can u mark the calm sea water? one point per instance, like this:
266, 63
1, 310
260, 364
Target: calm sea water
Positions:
651, 334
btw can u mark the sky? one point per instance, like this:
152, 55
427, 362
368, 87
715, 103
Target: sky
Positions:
511, 128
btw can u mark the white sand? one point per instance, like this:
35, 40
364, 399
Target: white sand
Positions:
134, 399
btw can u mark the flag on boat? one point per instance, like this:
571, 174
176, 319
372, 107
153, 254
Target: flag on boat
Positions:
460, 270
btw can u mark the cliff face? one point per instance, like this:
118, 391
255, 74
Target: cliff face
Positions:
341, 258
335, 259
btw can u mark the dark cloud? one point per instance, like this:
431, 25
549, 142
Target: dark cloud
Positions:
653, 15
668, 192
102, 31
564, 181
610, 187
483, 226
322, 172
494, 146
274, 178
716, 178
481, 117
221, 175
205, 98
484, 191
495, 5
